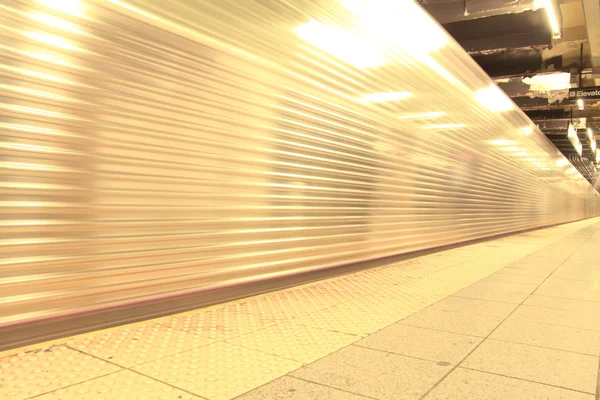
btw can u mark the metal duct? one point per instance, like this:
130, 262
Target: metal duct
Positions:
156, 149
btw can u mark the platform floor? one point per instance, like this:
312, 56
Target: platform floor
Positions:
512, 318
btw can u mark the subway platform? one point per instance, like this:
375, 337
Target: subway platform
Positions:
512, 318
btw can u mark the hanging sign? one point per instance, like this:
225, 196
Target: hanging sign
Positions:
592, 92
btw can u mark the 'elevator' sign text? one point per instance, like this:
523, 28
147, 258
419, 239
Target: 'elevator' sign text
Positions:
592, 92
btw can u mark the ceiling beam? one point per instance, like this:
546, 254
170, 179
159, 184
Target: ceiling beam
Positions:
561, 113
514, 63
446, 12
525, 29
538, 103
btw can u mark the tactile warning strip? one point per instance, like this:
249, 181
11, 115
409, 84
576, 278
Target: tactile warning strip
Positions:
30, 374
286, 305
133, 346
123, 385
218, 323
297, 342
219, 370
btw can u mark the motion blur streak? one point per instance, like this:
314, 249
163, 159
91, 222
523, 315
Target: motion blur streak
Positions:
156, 148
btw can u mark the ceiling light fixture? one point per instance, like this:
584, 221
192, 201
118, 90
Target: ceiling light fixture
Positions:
574, 139
571, 132
580, 104
552, 15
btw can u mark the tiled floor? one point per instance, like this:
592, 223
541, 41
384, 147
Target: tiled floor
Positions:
512, 318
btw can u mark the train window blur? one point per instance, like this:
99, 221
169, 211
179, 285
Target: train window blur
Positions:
156, 148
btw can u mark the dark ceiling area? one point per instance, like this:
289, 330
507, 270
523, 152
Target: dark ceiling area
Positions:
536, 51
525, 29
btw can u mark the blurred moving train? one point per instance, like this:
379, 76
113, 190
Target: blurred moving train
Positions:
154, 149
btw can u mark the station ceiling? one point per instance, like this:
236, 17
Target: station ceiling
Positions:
535, 50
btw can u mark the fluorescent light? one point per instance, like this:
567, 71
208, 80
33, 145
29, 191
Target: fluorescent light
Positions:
552, 18
590, 133
445, 126
340, 43
562, 162
598, 155
384, 96
432, 114
551, 14
574, 139
571, 132
513, 148
593, 144
494, 99
527, 130
580, 104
